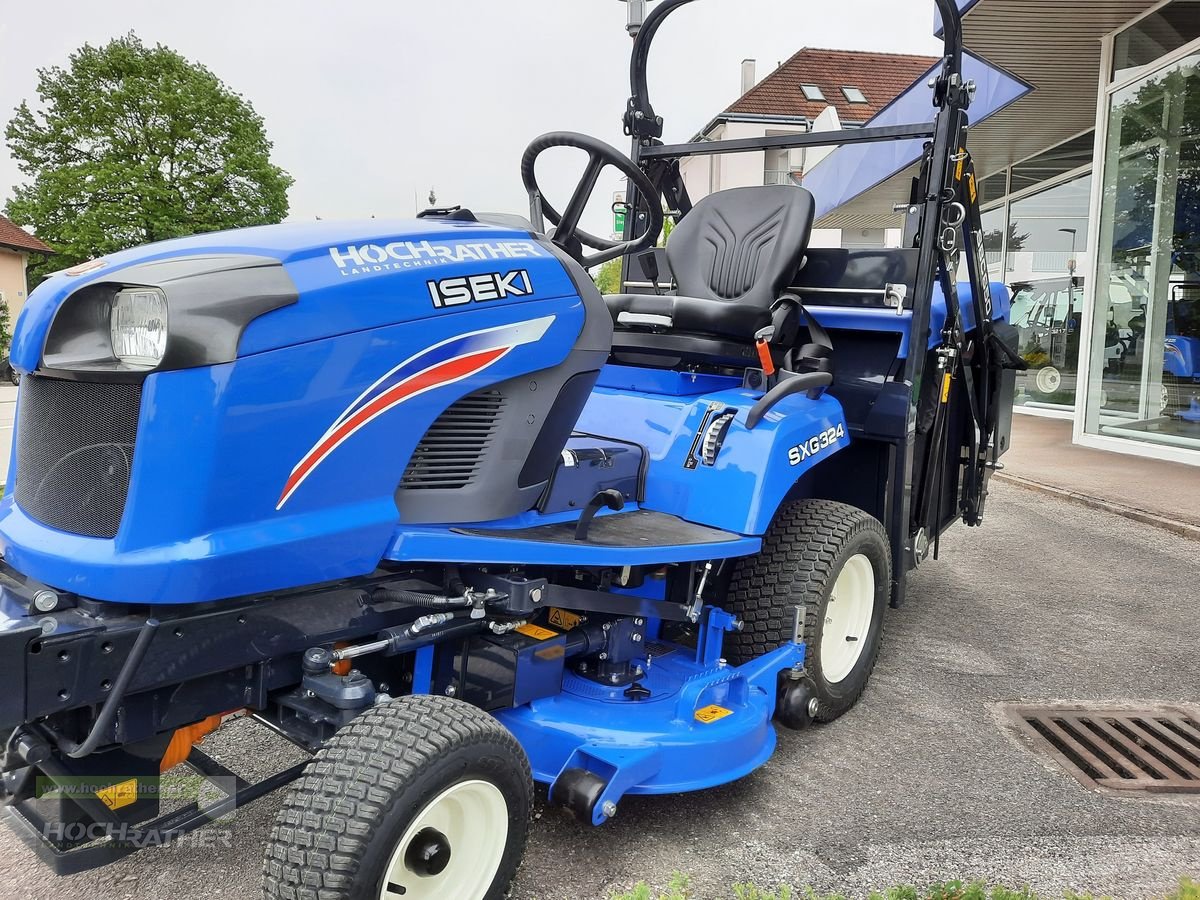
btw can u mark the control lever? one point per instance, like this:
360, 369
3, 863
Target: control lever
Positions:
612, 498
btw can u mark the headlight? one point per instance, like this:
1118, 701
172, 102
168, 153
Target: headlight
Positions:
138, 326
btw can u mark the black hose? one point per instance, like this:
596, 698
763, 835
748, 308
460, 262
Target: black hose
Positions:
108, 711
415, 598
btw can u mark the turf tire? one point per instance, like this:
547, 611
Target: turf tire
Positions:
803, 553
342, 820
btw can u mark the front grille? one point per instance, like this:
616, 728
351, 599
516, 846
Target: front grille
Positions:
451, 451
75, 452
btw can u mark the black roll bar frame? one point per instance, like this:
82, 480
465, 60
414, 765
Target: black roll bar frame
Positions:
933, 212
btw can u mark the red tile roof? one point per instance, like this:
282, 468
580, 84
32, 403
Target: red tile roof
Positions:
880, 76
12, 235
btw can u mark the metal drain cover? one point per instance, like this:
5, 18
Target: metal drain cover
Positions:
1153, 749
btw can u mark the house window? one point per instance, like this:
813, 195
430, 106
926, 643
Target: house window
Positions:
854, 95
812, 92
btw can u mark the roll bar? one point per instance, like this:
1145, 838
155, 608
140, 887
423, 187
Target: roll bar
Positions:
642, 122
941, 222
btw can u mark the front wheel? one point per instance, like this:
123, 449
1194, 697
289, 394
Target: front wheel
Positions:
832, 561
420, 798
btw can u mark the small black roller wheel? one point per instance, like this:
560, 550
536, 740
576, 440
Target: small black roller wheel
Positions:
833, 561
418, 798
578, 791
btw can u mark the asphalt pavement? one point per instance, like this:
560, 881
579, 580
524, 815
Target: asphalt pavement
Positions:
921, 782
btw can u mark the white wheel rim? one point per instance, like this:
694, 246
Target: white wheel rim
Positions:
473, 817
847, 618
1048, 380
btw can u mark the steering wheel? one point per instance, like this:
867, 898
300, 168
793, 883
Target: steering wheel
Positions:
567, 233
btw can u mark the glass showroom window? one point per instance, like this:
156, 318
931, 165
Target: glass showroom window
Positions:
1144, 381
1044, 259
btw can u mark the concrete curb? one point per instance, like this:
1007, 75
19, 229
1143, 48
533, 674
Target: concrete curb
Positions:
1184, 529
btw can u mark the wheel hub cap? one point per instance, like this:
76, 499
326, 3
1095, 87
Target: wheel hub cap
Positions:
452, 848
428, 854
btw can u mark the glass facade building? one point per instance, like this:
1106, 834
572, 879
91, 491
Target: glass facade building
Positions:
1097, 233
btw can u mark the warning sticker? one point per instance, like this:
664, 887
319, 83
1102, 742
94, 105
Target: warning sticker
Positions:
537, 631
563, 619
712, 713
120, 794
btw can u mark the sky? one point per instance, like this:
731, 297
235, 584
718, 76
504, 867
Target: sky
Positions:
370, 104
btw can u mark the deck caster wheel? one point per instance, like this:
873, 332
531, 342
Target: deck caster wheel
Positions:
833, 562
416, 799
797, 703
578, 791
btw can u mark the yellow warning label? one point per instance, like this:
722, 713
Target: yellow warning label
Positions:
946, 388
971, 187
560, 618
120, 794
537, 631
712, 713
962, 161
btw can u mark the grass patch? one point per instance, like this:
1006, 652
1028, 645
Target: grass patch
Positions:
678, 888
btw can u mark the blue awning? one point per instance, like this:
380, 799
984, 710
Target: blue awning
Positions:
851, 171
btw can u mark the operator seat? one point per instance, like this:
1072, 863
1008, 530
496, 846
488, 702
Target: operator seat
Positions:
732, 258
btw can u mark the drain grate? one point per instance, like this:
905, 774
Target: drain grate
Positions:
1155, 749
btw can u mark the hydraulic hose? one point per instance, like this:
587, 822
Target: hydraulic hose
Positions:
416, 598
108, 711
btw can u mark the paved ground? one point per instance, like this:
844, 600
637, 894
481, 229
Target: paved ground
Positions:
1166, 492
919, 783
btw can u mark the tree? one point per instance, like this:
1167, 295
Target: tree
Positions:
132, 144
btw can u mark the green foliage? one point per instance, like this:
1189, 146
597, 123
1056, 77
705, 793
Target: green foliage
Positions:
678, 889
5, 330
608, 277
131, 144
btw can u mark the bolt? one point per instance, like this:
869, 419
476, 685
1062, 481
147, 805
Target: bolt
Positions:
450, 690
383, 687
813, 706
722, 663
606, 626
639, 622
635, 637
536, 595
45, 601
829, 620
609, 809
604, 656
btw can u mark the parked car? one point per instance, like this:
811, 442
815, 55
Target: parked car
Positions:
8, 373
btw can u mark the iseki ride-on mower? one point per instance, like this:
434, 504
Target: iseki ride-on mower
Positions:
415, 496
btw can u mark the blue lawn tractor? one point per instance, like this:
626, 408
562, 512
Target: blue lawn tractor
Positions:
415, 496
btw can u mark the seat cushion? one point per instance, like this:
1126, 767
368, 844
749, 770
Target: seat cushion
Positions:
696, 315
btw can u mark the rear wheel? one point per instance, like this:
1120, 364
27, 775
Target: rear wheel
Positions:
419, 798
832, 561
1047, 380
1172, 395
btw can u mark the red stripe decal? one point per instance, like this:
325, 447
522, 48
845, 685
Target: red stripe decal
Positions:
432, 377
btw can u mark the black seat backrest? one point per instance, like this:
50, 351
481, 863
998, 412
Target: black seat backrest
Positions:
742, 245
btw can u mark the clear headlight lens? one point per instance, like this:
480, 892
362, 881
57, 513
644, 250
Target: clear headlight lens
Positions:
138, 326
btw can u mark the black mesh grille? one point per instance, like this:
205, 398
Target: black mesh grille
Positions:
75, 452
449, 454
